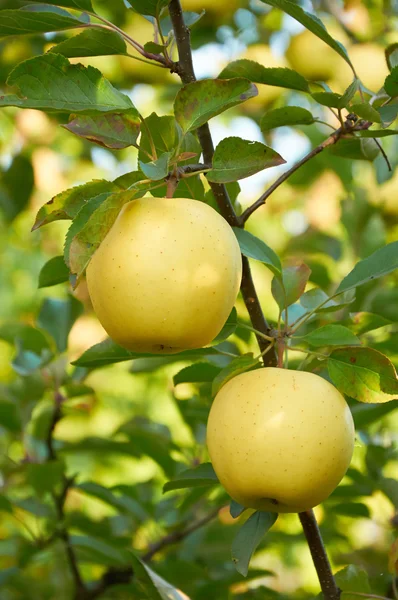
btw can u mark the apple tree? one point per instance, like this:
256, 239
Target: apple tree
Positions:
212, 193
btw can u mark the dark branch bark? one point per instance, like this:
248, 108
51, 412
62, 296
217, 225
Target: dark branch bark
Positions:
319, 556
186, 72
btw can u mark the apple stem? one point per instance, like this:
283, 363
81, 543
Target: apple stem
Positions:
320, 559
281, 349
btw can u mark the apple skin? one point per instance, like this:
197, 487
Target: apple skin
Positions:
312, 58
166, 276
280, 440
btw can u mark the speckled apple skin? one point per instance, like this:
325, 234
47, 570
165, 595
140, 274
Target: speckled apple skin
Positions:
280, 440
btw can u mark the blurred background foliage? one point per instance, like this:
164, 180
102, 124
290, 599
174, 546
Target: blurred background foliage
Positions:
126, 429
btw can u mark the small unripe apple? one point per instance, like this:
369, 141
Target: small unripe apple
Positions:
166, 276
280, 440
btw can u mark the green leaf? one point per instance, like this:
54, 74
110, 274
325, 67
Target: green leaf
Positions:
68, 203
154, 587
388, 113
53, 272
257, 73
331, 335
50, 82
16, 187
9, 419
389, 487
351, 509
363, 322
200, 372
229, 328
95, 550
327, 99
33, 348
122, 503
148, 7
391, 53
391, 83
200, 101
380, 263
44, 477
88, 239
235, 158
156, 169
292, 285
249, 537
364, 374
91, 42
57, 317
238, 365
366, 414
110, 130
310, 22
376, 133
236, 509
286, 116
252, 247
354, 148
352, 579
5, 505
366, 111
313, 298
22, 22
203, 475
108, 353
79, 4
8, 574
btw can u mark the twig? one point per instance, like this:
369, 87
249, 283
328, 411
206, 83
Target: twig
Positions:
348, 126
186, 72
319, 556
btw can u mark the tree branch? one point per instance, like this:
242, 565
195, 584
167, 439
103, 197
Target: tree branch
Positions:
348, 127
59, 502
186, 72
319, 556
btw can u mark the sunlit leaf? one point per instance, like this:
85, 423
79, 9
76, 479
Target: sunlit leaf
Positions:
249, 537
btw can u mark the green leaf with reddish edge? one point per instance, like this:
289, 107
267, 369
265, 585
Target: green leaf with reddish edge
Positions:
364, 322
235, 159
391, 53
24, 22
68, 203
148, 7
249, 537
331, 335
381, 262
51, 83
108, 353
364, 374
366, 111
391, 83
79, 4
91, 42
243, 363
352, 579
257, 73
110, 130
53, 272
292, 286
156, 169
310, 22
86, 242
200, 372
286, 116
252, 247
200, 101
199, 476
80, 221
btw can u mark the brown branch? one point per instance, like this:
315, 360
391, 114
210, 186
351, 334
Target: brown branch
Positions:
348, 127
59, 502
319, 556
186, 72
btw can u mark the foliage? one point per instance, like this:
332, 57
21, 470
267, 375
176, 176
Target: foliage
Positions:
106, 489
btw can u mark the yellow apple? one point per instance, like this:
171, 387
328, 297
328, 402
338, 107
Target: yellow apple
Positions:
312, 58
222, 7
280, 440
166, 276
370, 64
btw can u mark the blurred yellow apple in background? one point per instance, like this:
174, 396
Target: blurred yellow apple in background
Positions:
280, 440
370, 64
166, 276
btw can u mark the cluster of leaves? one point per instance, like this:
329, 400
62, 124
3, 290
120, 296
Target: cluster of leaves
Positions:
46, 389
